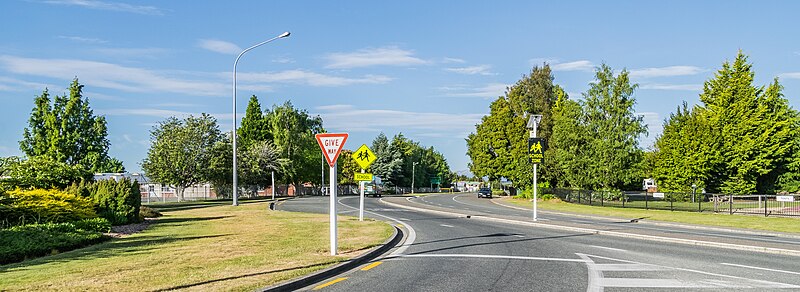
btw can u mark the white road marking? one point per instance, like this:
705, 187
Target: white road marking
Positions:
760, 268
412, 234
445, 225
484, 256
404, 219
627, 267
608, 248
520, 236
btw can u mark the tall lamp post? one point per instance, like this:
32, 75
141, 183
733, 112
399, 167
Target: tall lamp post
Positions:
533, 123
413, 172
235, 176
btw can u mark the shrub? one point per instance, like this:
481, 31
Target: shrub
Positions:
43, 172
147, 212
117, 201
496, 193
27, 241
42, 206
94, 224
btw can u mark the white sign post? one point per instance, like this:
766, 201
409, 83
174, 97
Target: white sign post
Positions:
363, 157
331, 145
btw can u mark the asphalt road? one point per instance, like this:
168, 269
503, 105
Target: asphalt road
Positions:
446, 252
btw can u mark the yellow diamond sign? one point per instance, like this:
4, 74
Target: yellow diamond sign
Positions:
363, 156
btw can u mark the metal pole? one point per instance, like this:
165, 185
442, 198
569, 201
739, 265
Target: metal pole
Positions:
233, 131
413, 165
332, 186
361, 201
322, 182
535, 185
273, 185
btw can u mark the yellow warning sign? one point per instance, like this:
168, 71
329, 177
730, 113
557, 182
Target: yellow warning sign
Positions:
536, 148
364, 157
362, 176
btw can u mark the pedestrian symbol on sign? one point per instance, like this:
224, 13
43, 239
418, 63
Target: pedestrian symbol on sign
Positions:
363, 156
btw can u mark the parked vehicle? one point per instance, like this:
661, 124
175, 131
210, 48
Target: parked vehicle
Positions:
485, 193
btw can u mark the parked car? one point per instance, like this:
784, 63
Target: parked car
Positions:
485, 193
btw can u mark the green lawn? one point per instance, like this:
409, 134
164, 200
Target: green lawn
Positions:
780, 224
213, 248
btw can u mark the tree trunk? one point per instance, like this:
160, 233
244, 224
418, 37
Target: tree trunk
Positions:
180, 190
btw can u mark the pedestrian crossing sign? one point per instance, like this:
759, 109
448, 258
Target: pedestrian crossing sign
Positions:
364, 157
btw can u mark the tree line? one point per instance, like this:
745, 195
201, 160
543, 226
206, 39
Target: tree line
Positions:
741, 139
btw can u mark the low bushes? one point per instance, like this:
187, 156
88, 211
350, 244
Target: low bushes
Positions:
117, 201
22, 242
20, 207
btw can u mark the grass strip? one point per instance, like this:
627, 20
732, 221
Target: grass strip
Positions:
214, 248
753, 222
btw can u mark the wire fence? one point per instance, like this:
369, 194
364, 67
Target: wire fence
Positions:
766, 205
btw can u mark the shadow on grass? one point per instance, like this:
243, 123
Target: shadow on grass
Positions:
107, 249
163, 220
244, 276
177, 206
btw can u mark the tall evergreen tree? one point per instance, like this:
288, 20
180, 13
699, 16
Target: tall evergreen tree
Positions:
69, 132
389, 160
614, 129
254, 125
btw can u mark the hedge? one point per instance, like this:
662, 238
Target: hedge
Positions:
117, 201
28, 241
19, 207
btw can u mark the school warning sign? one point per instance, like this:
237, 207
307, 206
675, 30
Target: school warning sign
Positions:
536, 147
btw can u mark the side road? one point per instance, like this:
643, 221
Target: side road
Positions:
466, 205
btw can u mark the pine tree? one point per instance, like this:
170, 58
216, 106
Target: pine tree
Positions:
254, 128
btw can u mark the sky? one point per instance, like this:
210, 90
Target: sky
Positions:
426, 69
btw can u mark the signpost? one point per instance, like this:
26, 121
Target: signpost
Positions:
536, 153
363, 157
331, 145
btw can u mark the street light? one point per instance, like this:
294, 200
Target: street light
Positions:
533, 123
413, 166
235, 179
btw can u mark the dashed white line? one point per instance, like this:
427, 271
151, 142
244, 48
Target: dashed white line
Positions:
608, 248
445, 225
760, 268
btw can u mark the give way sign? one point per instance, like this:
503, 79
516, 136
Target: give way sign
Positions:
331, 145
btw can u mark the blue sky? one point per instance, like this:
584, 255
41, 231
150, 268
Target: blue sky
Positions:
428, 69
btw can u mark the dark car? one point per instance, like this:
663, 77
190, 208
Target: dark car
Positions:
485, 193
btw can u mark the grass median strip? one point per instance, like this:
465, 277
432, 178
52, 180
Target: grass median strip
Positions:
778, 224
213, 248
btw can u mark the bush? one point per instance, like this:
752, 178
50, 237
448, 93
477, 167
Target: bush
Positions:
94, 224
497, 193
117, 201
42, 172
42, 206
147, 212
27, 241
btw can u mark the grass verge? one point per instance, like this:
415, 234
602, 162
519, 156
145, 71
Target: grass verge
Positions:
214, 248
779, 224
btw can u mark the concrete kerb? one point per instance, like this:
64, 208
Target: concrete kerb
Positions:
307, 280
657, 223
614, 233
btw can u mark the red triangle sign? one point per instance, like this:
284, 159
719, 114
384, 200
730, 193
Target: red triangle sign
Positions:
331, 145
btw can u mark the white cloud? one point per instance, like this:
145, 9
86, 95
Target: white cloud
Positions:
13, 84
665, 71
659, 86
112, 76
654, 127
83, 39
148, 112
348, 117
390, 56
283, 60
310, 78
453, 60
491, 90
790, 75
219, 46
472, 70
582, 65
111, 6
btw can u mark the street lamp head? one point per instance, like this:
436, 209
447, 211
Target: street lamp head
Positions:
285, 34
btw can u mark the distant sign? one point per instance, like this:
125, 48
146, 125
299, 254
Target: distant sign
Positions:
362, 176
536, 147
658, 195
784, 198
436, 180
364, 157
331, 145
